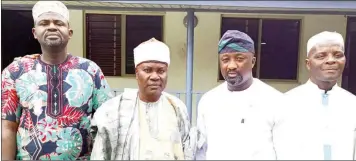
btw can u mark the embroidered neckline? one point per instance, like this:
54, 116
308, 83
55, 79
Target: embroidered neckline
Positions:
65, 61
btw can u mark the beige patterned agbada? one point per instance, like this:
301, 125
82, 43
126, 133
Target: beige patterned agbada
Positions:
129, 129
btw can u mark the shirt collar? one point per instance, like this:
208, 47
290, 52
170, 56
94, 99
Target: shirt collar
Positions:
315, 87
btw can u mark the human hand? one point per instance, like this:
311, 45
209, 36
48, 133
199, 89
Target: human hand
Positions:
33, 56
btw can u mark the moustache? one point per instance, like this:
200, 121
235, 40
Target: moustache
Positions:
154, 85
235, 72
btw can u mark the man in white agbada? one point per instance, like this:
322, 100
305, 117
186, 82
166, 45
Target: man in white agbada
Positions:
321, 118
236, 118
145, 124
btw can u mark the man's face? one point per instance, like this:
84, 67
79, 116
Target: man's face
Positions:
152, 77
326, 62
236, 67
52, 30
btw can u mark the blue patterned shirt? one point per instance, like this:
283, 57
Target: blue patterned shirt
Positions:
53, 105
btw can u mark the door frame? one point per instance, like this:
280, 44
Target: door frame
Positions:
346, 73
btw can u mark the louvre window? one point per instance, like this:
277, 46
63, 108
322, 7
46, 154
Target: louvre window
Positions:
109, 48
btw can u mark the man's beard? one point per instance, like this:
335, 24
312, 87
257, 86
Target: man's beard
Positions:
54, 43
234, 81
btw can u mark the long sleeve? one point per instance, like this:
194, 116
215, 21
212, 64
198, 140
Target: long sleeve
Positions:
283, 140
102, 147
106, 142
202, 144
279, 138
188, 133
189, 143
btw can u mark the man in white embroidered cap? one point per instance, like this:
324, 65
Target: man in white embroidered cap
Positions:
48, 101
145, 124
321, 121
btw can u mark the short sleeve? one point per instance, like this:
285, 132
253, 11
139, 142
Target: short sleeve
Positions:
10, 109
102, 91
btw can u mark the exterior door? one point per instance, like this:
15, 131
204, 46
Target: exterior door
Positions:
349, 76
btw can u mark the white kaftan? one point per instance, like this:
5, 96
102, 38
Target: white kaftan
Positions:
239, 124
318, 125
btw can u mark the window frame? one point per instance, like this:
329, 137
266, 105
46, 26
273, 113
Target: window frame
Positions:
123, 33
277, 17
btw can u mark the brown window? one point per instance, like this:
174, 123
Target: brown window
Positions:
276, 45
109, 48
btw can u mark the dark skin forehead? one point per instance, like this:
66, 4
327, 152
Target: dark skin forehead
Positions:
222, 55
225, 57
152, 63
49, 17
326, 48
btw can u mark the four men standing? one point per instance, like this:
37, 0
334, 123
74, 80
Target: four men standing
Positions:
48, 101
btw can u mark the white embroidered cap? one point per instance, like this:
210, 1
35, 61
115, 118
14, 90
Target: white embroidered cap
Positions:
49, 6
323, 38
152, 50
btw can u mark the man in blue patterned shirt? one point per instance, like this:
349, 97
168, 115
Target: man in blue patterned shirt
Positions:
47, 102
